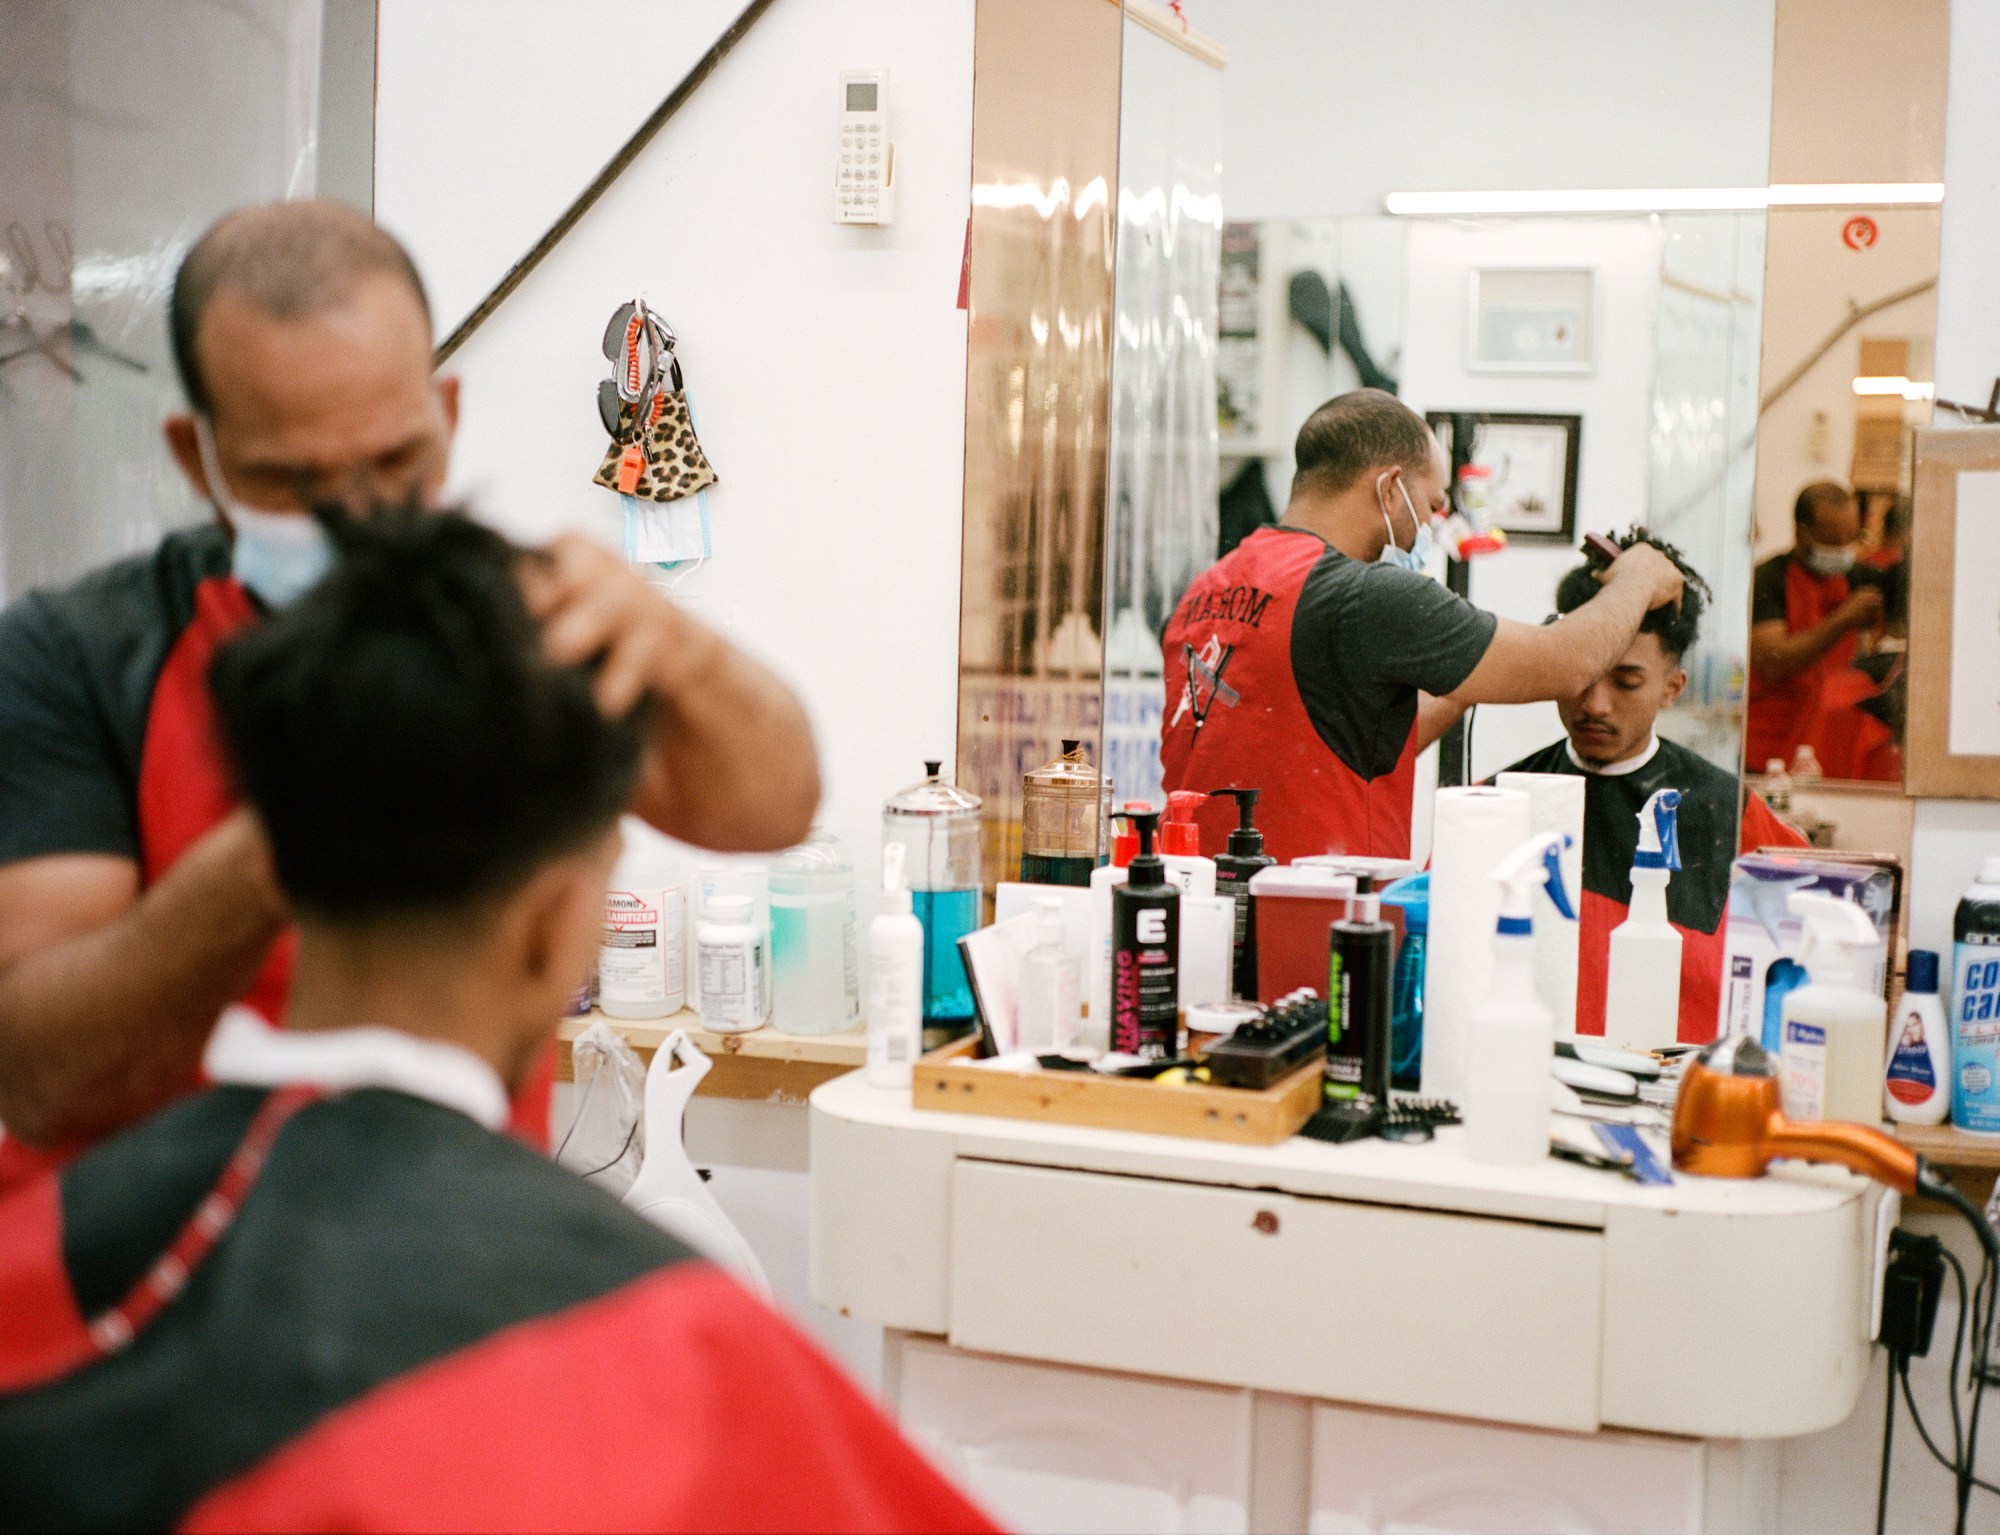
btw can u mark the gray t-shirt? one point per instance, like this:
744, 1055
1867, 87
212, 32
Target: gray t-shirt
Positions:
1365, 640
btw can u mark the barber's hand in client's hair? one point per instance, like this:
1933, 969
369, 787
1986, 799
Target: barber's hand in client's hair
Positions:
1643, 563
592, 605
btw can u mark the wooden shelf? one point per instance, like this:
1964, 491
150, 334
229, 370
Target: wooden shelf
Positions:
762, 1066
1949, 1146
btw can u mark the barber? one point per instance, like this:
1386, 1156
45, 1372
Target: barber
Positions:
136, 899
1808, 607
1316, 661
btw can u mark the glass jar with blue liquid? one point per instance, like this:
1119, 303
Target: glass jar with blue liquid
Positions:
938, 825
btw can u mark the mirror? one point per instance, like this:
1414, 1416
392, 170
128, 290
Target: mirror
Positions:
1850, 319
1585, 371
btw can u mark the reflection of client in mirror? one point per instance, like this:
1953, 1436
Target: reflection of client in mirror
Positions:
1612, 743
1810, 609
1316, 660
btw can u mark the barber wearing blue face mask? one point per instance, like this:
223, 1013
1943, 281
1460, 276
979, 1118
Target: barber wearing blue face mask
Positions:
1318, 658
136, 900
1808, 608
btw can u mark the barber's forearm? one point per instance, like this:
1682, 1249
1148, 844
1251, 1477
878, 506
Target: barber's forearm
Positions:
99, 1029
1435, 716
732, 764
1782, 659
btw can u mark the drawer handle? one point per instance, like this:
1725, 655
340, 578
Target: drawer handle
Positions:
1266, 1222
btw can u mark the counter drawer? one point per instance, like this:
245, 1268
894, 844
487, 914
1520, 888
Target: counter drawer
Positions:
1465, 1315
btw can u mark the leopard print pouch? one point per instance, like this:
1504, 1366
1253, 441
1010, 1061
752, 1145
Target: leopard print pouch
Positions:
674, 465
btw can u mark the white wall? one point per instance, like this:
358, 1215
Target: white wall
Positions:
1952, 837
1332, 103
1520, 581
826, 365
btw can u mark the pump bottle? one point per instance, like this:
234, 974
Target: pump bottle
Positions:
1180, 844
1193, 875
1145, 951
895, 980
1642, 992
1830, 1059
1510, 1038
1233, 872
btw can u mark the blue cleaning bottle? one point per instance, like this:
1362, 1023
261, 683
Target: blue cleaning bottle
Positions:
1406, 1008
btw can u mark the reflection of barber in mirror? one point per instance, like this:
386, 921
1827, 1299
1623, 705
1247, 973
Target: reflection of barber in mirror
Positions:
1613, 744
136, 900
1808, 611
1317, 659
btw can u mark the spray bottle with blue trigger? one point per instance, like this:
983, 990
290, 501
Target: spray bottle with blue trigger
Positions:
1511, 1036
1642, 992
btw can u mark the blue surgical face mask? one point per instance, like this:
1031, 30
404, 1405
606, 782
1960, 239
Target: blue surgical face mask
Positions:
1418, 555
278, 556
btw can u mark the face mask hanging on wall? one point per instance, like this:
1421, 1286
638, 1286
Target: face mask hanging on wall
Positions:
654, 462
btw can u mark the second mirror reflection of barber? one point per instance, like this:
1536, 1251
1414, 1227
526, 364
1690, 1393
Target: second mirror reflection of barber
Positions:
1316, 660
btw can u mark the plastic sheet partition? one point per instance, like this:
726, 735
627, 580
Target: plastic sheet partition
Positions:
1163, 478
1702, 448
124, 130
1038, 396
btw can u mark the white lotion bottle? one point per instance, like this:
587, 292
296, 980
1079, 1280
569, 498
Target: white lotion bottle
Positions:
641, 964
1511, 1036
1046, 1013
1642, 990
895, 981
1830, 1048
1916, 1075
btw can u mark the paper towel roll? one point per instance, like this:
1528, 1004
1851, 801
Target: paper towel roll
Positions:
1472, 831
1555, 803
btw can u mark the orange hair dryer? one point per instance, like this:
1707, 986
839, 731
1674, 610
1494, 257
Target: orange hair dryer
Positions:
1728, 1124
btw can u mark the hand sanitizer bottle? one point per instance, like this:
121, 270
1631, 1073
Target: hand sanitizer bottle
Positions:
1511, 1036
1047, 1015
895, 980
1829, 1064
1642, 992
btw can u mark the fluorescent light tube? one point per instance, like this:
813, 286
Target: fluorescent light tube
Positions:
1875, 194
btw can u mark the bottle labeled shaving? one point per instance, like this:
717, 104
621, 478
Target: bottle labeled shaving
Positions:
1145, 951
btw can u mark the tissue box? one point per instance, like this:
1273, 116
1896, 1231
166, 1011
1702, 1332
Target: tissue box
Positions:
1762, 938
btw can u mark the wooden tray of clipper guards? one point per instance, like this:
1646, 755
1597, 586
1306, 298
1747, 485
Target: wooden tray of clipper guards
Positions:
946, 1080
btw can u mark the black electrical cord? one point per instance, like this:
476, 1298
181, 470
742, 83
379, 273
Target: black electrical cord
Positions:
1888, 1436
1937, 1183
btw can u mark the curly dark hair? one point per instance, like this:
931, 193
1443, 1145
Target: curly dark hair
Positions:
1674, 627
400, 734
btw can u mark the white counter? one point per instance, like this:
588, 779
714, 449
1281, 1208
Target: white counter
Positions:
1391, 1278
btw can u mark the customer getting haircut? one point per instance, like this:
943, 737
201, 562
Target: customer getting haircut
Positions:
400, 735
1675, 626
1354, 432
288, 259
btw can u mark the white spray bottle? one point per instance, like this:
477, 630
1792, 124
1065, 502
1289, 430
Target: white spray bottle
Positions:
1642, 992
895, 980
1830, 1053
1511, 1036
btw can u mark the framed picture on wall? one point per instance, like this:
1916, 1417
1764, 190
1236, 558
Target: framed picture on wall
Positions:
1951, 745
1524, 468
1531, 320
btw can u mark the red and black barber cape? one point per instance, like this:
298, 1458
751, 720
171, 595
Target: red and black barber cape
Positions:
108, 741
412, 1324
1697, 898
1292, 669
